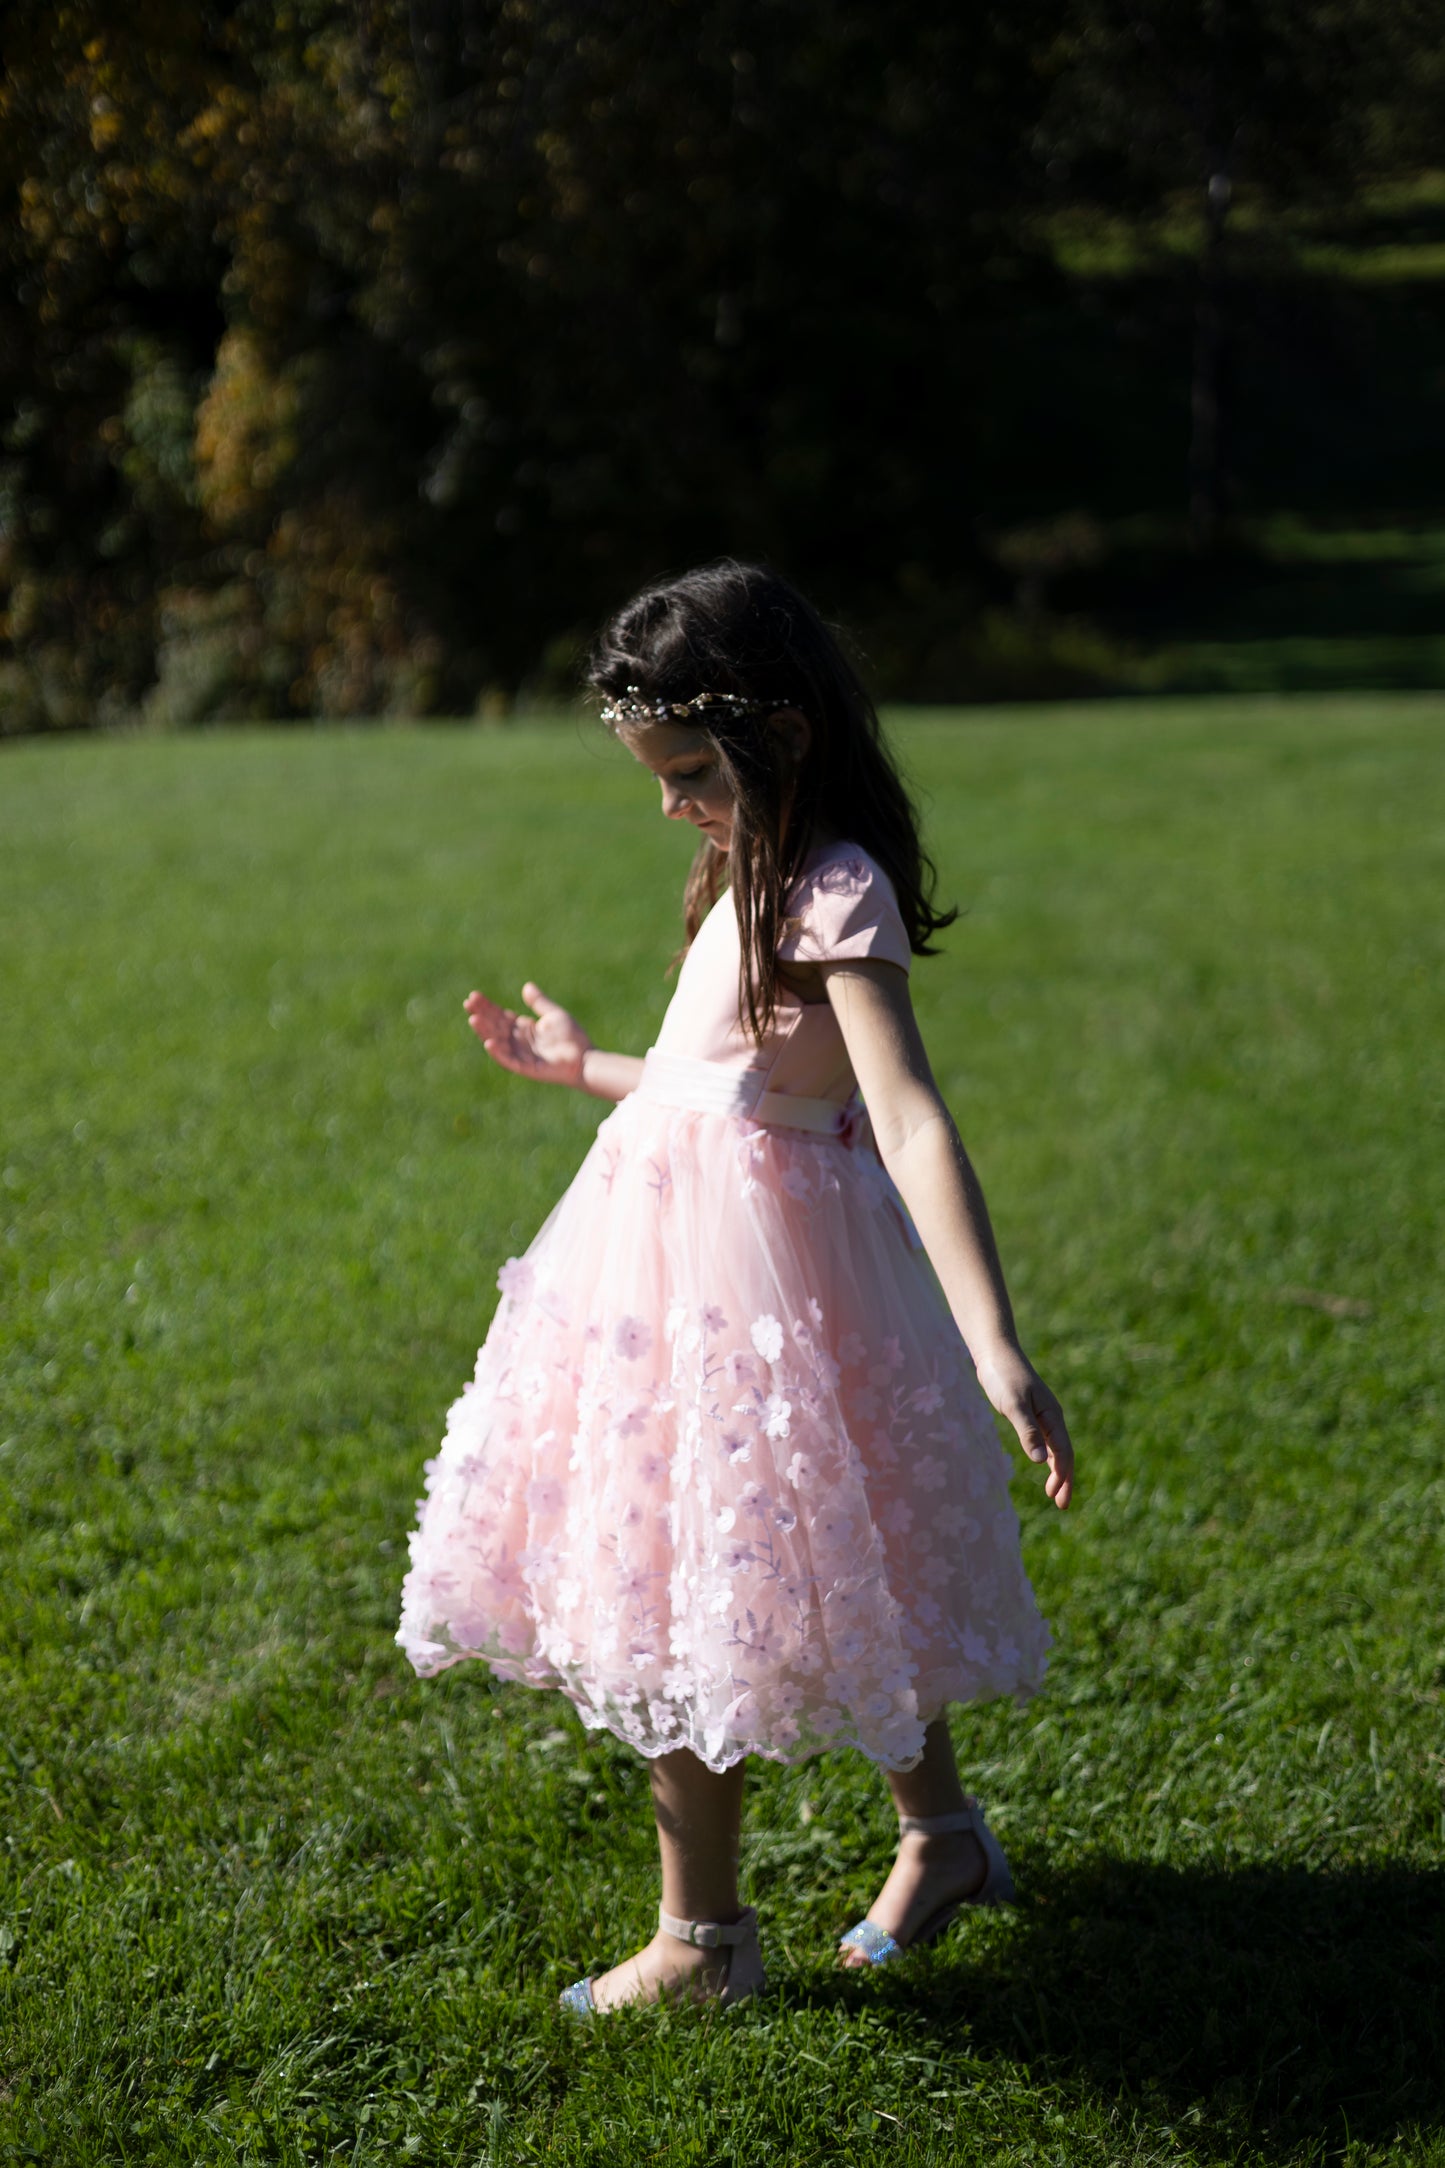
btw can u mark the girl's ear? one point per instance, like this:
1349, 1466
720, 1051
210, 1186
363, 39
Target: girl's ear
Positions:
794, 733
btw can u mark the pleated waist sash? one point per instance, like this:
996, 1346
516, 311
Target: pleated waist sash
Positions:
706, 1087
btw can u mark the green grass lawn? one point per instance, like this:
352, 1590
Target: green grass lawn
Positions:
266, 1897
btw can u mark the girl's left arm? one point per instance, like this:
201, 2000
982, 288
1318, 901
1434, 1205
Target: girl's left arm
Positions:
922, 1150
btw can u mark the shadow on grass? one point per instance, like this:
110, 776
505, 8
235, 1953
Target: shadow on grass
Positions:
1277, 2006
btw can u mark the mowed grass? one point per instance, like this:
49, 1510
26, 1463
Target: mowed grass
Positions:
264, 1897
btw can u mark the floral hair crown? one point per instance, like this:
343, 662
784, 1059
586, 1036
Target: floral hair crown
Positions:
632, 708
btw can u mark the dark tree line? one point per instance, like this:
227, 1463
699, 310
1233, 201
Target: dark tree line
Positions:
353, 358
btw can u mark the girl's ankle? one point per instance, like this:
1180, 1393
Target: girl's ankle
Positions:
726, 1915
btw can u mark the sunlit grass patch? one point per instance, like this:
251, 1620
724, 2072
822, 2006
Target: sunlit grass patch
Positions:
265, 1897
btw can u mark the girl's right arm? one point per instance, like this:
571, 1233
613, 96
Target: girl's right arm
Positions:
550, 1046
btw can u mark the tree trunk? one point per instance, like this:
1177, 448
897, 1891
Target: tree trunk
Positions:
1206, 398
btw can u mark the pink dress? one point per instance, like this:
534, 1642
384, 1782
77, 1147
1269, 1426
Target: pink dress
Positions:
725, 1474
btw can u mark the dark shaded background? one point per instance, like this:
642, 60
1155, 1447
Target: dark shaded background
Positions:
355, 359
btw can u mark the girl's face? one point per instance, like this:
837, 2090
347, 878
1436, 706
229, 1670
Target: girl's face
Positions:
685, 765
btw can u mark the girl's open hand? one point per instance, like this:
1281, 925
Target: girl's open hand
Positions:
1021, 1396
548, 1045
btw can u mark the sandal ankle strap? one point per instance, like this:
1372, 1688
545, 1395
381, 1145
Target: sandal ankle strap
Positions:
943, 1825
709, 1934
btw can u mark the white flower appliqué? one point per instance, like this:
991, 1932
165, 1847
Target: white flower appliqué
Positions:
768, 1337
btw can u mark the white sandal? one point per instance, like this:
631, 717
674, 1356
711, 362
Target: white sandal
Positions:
996, 1888
744, 1975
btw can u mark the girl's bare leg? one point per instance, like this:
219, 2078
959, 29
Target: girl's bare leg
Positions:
698, 1818
929, 1871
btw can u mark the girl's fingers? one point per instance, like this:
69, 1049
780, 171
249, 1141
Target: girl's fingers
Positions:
1031, 1438
1031, 1421
512, 1040
1060, 1483
507, 1037
1044, 1437
484, 1015
546, 1045
507, 1054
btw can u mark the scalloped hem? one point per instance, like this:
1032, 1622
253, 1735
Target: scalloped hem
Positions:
428, 1660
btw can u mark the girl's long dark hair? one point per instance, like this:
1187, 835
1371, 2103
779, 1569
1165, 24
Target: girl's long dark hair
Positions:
736, 628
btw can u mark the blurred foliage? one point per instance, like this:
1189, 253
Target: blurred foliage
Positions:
353, 360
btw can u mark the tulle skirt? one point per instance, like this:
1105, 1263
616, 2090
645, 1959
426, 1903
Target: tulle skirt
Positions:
724, 1474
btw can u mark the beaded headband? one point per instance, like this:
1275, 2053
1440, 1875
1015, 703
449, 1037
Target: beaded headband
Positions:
634, 709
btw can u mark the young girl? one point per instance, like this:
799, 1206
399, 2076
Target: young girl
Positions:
725, 1474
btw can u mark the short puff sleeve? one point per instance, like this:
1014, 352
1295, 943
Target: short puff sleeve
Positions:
841, 908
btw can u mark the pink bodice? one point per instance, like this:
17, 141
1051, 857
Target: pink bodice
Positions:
841, 907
